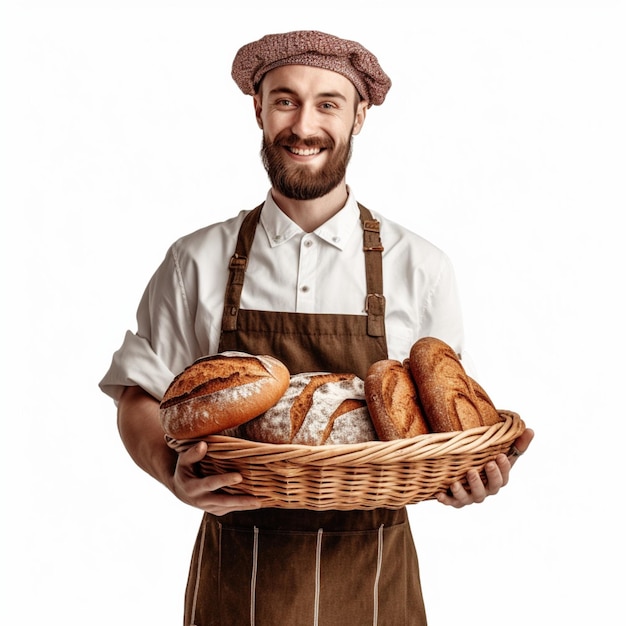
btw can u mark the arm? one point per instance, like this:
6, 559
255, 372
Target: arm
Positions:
497, 473
142, 435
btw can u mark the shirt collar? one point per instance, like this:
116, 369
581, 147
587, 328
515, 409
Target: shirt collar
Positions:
336, 231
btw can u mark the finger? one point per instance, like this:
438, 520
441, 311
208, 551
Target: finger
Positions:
447, 499
200, 490
222, 503
504, 465
497, 473
477, 490
456, 496
219, 481
218, 504
206, 494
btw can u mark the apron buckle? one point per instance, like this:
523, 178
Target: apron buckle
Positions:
238, 262
371, 237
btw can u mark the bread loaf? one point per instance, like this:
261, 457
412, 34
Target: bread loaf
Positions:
393, 401
486, 407
447, 394
221, 392
316, 409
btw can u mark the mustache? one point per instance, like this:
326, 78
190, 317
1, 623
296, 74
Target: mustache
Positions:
291, 140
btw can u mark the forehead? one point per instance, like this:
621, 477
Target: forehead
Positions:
306, 81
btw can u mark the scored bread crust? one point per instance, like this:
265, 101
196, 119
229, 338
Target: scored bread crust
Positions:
221, 392
447, 394
393, 401
488, 412
318, 408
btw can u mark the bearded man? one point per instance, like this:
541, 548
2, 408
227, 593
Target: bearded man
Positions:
312, 297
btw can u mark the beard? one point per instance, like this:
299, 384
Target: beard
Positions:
298, 182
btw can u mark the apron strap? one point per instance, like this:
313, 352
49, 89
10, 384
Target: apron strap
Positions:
237, 266
372, 247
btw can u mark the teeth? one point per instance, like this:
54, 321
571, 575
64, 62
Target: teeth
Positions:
305, 151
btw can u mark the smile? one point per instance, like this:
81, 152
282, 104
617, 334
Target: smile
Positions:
304, 151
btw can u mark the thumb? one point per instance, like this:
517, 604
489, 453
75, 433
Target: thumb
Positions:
195, 453
524, 440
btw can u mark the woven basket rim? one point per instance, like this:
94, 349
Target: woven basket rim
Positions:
431, 445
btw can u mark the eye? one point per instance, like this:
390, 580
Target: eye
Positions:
328, 106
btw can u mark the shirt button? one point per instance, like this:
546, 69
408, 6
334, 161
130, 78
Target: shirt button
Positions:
304, 289
336, 239
308, 243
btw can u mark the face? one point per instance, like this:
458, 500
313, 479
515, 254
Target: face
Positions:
308, 116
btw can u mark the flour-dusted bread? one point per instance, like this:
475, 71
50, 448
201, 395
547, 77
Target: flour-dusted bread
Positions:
450, 398
316, 409
221, 392
393, 401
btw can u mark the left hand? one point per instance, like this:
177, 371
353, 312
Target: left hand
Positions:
496, 471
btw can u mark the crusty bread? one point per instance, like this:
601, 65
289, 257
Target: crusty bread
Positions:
316, 409
486, 407
447, 394
393, 401
220, 392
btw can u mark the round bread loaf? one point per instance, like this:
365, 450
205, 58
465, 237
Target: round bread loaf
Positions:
220, 392
393, 401
316, 409
447, 394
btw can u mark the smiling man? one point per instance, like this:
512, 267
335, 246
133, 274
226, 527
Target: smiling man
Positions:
315, 264
308, 116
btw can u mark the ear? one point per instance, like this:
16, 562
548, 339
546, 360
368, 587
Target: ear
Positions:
256, 99
359, 118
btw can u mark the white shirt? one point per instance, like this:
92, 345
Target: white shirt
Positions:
179, 317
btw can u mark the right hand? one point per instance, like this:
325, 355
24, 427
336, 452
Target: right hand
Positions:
201, 492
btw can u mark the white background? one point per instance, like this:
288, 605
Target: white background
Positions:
502, 141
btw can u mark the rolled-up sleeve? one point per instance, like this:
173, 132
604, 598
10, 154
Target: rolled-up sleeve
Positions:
164, 343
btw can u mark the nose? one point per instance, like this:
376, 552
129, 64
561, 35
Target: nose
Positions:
304, 121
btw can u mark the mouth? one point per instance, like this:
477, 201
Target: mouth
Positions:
304, 152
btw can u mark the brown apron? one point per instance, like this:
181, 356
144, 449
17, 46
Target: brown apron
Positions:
284, 567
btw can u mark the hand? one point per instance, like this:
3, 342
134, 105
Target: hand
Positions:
496, 472
200, 492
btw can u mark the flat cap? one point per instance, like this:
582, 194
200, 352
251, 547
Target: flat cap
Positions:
310, 47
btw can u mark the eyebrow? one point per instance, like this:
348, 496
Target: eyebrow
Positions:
324, 94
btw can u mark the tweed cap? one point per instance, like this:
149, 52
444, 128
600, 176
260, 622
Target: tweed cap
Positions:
310, 47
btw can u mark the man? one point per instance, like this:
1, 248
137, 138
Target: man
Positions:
313, 297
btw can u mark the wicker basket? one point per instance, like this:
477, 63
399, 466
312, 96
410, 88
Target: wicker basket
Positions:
370, 475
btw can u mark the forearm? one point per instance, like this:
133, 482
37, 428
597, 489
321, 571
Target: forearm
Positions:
142, 435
